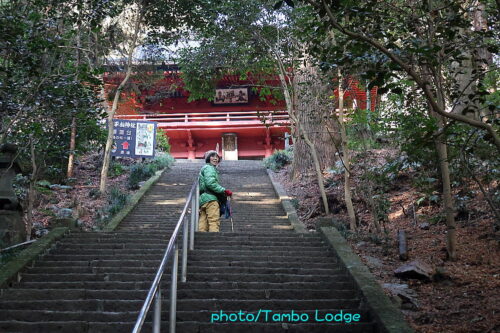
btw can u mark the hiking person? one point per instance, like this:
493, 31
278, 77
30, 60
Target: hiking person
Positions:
212, 194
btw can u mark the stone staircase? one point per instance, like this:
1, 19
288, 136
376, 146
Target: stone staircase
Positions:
97, 282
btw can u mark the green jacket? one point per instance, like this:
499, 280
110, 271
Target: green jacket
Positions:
209, 185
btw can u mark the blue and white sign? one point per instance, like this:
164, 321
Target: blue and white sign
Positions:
134, 138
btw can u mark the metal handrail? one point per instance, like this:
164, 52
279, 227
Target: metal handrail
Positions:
172, 250
18, 245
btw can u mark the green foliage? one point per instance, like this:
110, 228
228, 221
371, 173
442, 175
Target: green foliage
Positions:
375, 183
43, 85
413, 129
162, 141
278, 160
43, 183
47, 212
428, 190
382, 207
365, 126
43, 190
396, 25
115, 169
343, 229
8, 255
140, 172
117, 201
143, 171
20, 185
241, 38
163, 161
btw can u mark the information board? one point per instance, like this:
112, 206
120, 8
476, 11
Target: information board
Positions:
134, 138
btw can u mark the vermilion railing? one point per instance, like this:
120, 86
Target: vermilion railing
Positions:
248, 117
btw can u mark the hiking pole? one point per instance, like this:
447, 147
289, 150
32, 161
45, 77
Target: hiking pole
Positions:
230, 213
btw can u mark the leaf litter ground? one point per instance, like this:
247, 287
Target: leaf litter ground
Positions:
465, 297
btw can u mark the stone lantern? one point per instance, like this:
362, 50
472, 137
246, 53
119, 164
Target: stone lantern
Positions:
12, 228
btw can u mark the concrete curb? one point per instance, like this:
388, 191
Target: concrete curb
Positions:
10, 271
134, 200
389, 317
287, 205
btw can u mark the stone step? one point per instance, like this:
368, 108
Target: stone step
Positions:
191, 263
55, 256
277, 251
210, 235
203, 316
119, 294
220, 245
185, 327
201, 240
212, 285
192, 257
182, 304
193, 269
264, 277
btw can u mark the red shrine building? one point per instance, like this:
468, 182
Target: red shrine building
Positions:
238, 122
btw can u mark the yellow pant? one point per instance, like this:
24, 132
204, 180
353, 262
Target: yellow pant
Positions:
210, 217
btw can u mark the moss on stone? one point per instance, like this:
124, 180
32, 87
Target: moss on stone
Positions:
118, 218
10, 270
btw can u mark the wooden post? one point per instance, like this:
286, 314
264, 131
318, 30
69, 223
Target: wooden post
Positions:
403, 249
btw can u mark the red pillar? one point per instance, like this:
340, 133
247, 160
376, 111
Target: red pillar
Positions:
268, 146
191, 147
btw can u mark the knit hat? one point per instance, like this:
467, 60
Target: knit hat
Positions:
210, 153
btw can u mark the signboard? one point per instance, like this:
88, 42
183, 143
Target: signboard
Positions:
134, 138
231, 96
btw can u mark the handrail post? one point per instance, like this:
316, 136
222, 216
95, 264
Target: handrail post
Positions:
173, 290
193, 222
197, 215
185, 231
157, 312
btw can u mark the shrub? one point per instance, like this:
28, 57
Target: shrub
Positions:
162, 141
138, 173
278, 159
163, 161
143, 171
117, 200
115, 169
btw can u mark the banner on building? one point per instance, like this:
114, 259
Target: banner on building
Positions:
134, 138
231, 96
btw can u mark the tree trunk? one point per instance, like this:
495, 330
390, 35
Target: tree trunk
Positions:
346, 160
319, 174
313, 103
31, 193
72, 145
451, 236
442, 152
72, 140
292, 112
111, 113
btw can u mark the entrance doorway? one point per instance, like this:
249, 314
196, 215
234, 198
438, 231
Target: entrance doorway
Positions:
230, 146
